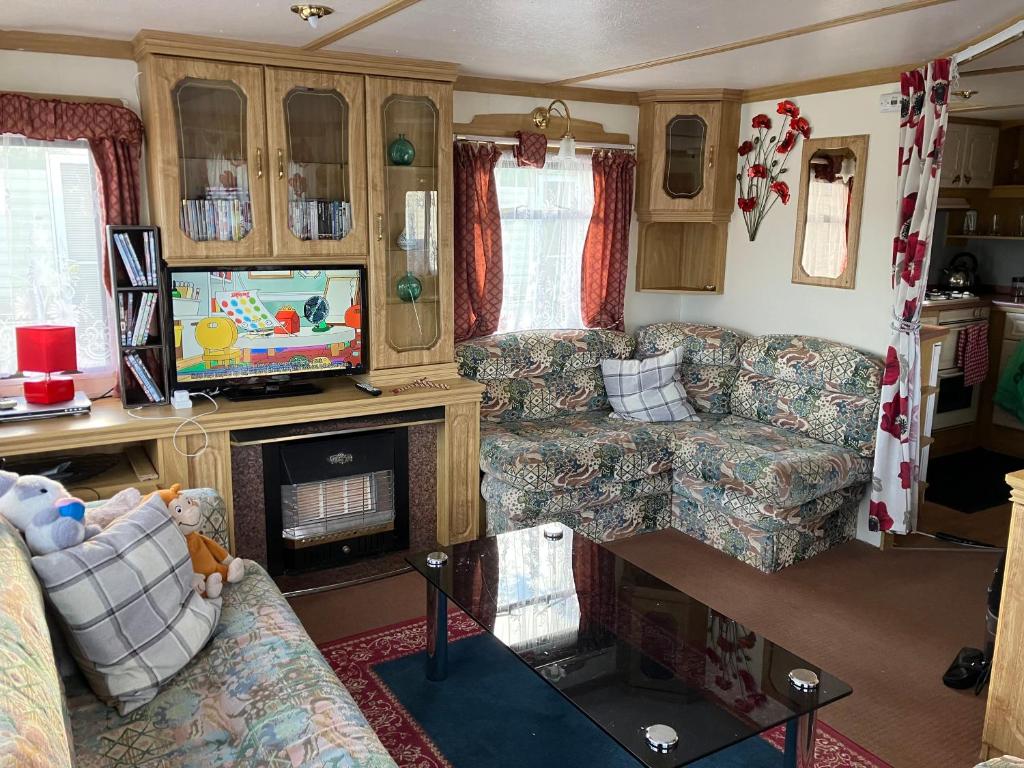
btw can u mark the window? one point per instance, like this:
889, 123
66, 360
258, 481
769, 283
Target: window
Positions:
50, 248
545, 213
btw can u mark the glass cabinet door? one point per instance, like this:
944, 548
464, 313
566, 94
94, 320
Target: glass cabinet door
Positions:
685, 144
206, 138
317, 144
683, 169
410, 148
213, 165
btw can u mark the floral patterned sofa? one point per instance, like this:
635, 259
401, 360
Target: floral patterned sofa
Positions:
260, 693
773, 473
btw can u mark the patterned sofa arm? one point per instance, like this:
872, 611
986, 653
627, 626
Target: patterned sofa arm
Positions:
1002, 762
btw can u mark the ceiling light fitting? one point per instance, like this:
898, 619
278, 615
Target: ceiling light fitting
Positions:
965, 94
312, 13
542, 116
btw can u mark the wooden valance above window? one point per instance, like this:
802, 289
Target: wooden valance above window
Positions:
506, 125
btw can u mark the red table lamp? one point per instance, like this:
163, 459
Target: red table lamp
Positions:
47, 349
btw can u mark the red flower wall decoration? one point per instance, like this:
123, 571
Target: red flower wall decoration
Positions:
764, 161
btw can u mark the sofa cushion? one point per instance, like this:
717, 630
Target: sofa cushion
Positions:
572, 450
32, 724
126, 601
766, 463
709, 364
647, 390
528, 354
541, 374
822, 389
259, 694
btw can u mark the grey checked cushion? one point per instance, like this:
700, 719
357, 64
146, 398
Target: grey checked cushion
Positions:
127, 606
647, 390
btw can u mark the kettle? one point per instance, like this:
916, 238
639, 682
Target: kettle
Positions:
961, 273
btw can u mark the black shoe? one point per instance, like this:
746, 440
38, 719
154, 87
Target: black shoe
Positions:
965, 669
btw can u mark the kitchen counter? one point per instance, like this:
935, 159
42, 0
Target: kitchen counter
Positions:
998, 300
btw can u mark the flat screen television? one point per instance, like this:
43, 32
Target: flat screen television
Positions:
256, 331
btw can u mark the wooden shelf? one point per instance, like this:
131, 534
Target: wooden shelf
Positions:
985, 237
1007, 190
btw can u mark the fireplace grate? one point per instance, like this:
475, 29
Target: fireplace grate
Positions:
337, 509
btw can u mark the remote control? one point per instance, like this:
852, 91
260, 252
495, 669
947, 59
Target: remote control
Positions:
368, 388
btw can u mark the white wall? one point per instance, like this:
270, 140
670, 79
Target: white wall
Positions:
62, 75
760, 296
640, 309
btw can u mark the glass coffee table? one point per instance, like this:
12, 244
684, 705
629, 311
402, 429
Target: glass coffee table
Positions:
667, 677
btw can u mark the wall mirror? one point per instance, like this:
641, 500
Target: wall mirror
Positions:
832, 172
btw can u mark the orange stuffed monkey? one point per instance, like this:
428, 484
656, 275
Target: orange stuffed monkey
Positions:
212, 565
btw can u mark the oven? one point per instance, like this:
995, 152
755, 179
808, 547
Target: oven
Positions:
956, 403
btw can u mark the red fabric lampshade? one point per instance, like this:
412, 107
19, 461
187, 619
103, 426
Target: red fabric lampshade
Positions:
46, 348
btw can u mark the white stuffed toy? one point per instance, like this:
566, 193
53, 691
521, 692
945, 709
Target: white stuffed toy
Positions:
42, 509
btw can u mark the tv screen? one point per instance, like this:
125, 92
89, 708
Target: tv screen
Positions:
238, 326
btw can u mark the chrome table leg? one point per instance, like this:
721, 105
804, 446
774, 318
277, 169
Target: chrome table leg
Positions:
437, 633
801, 733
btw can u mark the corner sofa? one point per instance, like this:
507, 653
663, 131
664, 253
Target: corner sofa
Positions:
772, 473
259, 693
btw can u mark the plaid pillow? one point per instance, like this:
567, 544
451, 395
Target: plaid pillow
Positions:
647, 390
126, 603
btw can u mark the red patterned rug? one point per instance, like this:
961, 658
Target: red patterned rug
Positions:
353, 659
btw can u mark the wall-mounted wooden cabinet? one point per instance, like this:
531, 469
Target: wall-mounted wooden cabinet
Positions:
685, 188
969, 156
277, 156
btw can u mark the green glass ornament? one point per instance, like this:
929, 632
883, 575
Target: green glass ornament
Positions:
401, 151
409, 287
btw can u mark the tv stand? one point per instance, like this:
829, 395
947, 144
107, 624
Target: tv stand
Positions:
266, 390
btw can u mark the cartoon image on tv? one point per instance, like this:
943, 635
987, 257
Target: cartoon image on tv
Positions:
264, 323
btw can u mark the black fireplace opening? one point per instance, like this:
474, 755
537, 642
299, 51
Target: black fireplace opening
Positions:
333, 499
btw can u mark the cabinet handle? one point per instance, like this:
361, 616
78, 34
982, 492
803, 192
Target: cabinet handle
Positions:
956, 179
967, 179
280, 164
710, 287
259, 163
380, 226
711, 156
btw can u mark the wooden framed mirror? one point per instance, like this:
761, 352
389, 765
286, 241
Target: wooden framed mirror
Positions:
832, 172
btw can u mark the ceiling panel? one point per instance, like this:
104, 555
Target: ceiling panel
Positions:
258, 20
889, 41
528, 40
1011, 55
1006, 113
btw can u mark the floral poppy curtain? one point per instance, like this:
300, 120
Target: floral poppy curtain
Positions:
606, 250
924, 112
478, 259
114, 134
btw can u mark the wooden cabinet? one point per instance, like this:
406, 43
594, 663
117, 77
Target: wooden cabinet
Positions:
409, 129
316, 136
251, 164
969, 156
685, 188
207, 160
279, 157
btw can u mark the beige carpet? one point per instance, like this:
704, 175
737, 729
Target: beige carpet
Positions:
888, 623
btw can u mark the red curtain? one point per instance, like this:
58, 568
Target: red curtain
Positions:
114, 134
606, 250
478, 265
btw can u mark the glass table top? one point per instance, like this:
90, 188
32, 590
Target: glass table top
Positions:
624, 647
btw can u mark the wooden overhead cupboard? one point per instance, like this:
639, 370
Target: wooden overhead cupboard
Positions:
686, 182
260, 156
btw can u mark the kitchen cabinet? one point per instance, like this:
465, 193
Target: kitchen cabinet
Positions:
1012, 337
969, 156
686, 188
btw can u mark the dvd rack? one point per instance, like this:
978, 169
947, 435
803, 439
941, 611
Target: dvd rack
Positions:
136, 277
